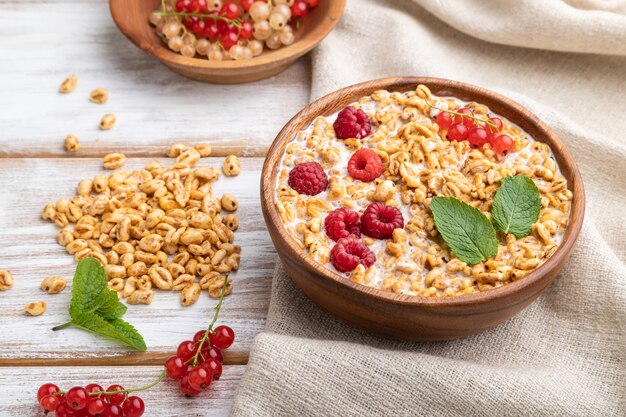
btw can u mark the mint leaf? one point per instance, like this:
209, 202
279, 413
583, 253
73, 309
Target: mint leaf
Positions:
467, 231
94, 307
114, 329
516, 206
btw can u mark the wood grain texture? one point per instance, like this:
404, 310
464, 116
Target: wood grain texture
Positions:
30, 252
19, 394
418, 318
131, 16
154, 107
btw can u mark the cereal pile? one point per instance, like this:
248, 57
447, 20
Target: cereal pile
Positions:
158, 227
354, 191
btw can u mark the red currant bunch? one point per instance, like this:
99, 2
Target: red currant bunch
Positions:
90, 400
463, 125
198, 362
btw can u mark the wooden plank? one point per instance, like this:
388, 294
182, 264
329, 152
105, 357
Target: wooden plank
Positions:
19, 395
154, 106
30, 252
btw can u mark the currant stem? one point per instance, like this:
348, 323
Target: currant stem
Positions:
206, 334
62, 326
201, 16
129, 390
456, 113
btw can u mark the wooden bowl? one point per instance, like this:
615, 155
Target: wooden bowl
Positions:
131, 17
404, 316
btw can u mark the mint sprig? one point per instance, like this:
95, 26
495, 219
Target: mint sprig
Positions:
466, 230
96, 308
516, 206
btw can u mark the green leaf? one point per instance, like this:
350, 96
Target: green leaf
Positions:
467, 231
516, 206
116, 329
94, 307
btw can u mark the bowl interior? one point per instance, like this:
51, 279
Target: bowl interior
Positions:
131, 16
499, 104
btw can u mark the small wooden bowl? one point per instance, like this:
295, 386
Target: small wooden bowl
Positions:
131, 17
404, 316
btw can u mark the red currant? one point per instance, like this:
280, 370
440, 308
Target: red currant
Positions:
49, 402
502, 144
211, 31
245, 4
246, 30
230, 10
63, 410
113, 410
214, 367
93, 388
498, 125
181, 5
444, 120
214, 353
222, 337
198, 6
133, 407
175, 367
96, 406
299, 9
313, 3
458, 132
467, 121
76, 398
46, 389
229, 40
186, 389
198, 336
117, 399
186, 350
198, 378
478, 137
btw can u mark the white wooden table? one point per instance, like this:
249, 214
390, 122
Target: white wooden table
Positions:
42, 42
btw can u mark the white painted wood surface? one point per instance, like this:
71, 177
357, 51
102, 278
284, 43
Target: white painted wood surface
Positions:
19, 393
42, 42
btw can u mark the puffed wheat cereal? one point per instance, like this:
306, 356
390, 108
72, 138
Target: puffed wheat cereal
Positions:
72, 144
107, 121
99, 96
53, 284
35, 309
69, 84
113, 160
6, 280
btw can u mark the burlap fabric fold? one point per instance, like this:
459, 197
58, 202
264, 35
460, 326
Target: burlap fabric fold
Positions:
563, 356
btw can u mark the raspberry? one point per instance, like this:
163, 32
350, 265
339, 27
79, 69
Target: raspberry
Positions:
379, 221
350, 252
365, 165
342, 223
308, 178
352, 123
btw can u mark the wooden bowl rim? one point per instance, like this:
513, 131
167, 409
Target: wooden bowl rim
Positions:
277, 57
561, 153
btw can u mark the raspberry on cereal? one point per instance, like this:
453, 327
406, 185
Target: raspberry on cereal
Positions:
379, 221
352, 123
365, 165
350, 252
308, 178
341, 223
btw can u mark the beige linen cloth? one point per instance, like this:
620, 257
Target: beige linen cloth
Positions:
565, 355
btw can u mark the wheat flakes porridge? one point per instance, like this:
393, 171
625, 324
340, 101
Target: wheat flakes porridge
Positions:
414, 141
